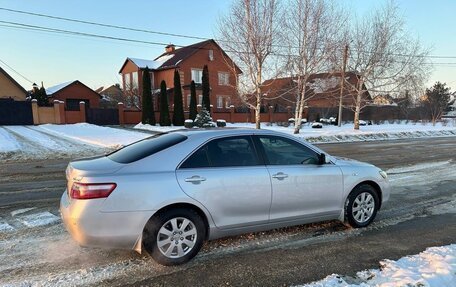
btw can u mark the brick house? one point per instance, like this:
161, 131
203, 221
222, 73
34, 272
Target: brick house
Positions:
323, 91
73, 92
189, 61
10, 89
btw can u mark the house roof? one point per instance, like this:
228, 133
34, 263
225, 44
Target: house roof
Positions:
172, 59
54, 89
320, 83
13, 80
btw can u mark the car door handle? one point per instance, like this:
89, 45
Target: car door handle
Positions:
280, 175
195, 179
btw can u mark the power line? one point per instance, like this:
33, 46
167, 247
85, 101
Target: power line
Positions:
35, 27
102, 24
12, 69
176, 35
24, 26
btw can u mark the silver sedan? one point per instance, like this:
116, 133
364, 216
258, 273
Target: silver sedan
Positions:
168, 193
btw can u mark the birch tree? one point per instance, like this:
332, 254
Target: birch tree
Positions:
313, 34
383, 55
249, 33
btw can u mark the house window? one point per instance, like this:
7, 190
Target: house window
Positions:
219, 102
223, 79
227, 102
197, 75
127, 85
134, 80
188, 99
200, 99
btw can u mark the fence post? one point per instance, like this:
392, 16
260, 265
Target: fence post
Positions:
271, 113
62, 112
232, 114
82, 112
35, 113
252, 115
57, 119
198, 108
288, 112
121, 113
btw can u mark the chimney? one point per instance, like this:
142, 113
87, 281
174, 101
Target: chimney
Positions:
170, 48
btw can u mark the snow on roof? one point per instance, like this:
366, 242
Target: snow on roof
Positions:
56, 88
151, 64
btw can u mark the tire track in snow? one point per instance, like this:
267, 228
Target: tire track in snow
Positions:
76, 147
26, 145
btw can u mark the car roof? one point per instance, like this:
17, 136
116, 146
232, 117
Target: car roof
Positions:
223, 131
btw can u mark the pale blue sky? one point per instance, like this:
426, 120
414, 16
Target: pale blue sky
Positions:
57, 58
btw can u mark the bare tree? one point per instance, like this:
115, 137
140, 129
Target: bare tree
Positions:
313, 34
383, 55
249, 32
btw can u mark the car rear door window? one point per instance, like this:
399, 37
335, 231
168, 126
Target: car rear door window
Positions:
283, 151
224, 152
146, 147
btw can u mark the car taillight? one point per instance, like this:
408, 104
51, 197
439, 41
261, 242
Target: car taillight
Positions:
91, 190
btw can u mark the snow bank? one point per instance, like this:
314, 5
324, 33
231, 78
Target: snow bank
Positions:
436, 266
95, 135
4, 226
346, 133
7, 142
157, 129
39, 219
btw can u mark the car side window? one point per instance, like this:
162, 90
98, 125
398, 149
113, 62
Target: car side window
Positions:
283, 151
224, 152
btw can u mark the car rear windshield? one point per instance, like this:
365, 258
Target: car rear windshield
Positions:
146, 147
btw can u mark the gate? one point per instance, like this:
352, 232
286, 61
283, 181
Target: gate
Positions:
15, 112
102, 116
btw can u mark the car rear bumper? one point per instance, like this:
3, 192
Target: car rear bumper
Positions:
92, 228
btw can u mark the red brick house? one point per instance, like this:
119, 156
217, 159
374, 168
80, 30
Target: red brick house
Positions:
323, 91
71, 93
189, 61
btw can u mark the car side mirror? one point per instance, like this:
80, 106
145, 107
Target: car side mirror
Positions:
321, 158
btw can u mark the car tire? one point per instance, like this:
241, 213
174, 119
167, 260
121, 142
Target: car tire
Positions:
168, 241
361, 206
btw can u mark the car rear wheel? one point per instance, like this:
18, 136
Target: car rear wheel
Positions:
175, 236
361, 206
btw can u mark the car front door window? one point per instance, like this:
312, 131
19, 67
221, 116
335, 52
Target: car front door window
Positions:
282, 151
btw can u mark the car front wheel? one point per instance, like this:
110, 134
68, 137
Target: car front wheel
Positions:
361, 206
175, 236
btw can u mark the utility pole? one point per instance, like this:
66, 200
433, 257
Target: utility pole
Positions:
342, 82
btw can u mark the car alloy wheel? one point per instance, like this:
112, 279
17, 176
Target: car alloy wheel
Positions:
363, 207
177, 237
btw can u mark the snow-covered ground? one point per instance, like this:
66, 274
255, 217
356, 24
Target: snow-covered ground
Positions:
346, 133
62, 141
78, 140
434, 267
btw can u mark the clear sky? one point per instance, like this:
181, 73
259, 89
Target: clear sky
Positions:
56, 58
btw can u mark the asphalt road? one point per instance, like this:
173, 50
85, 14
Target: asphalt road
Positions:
44, 180
422, 173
